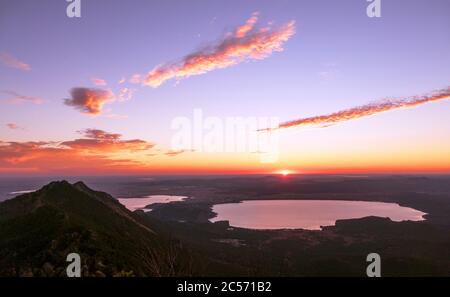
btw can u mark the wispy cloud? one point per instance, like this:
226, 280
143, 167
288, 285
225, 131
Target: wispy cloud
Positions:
14, 126
125, 94
247, 42
16, 98
89, 101
12, 62
135, 79
172, 153
366, 110
98, 81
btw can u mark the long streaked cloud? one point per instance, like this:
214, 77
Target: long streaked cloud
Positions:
366, 110
247, 42
12, 62
88, 100
16, 98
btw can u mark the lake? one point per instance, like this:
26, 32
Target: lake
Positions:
141, 203
307, 214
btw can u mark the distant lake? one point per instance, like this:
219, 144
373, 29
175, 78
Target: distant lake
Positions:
307, 214
140, 203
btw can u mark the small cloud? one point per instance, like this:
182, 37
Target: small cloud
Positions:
14, 126
12, 62
89, 101
135, 79
172, 153
99, 81
99, 134
18, 98
122, 80
125, 94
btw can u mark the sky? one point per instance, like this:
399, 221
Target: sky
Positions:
103, 93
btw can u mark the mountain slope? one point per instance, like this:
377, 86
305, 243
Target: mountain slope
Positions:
38, 230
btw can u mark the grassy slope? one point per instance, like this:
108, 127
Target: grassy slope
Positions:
38, 230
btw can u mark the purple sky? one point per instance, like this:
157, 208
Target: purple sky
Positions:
338, 58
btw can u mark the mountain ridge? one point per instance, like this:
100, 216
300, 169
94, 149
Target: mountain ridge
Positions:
39, 229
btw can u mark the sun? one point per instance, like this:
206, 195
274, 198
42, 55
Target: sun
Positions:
284, 172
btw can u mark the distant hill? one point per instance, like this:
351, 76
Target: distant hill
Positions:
38, 230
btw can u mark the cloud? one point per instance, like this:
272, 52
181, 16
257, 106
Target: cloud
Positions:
96, 149
246, 43
125, 94
89, 101
172, 153
98, 140
365, 110
100, 134
18, 98
14, 126
98, 81
135, 79
13, 153
12, 62
243, 30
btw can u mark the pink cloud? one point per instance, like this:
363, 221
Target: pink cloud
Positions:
13, 62
135, 79
99, 81
14, 126
18, 98
245, 43
371, 109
